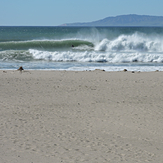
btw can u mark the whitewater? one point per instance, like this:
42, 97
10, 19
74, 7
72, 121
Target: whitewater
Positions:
82, 48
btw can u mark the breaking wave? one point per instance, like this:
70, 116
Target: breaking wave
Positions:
135, 42
135, 47
93, 56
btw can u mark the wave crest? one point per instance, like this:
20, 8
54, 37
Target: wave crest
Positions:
42, 44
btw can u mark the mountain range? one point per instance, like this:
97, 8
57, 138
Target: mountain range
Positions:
124, 20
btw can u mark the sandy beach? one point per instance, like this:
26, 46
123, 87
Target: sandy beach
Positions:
87, 116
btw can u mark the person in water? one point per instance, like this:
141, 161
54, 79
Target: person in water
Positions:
72, 45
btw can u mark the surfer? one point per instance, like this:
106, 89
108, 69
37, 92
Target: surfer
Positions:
72, 45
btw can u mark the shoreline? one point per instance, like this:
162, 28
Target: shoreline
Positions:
91, 70
81, 116
80, 66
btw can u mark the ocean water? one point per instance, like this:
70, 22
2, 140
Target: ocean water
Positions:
82, 48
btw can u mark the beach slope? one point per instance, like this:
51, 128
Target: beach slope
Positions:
91, 116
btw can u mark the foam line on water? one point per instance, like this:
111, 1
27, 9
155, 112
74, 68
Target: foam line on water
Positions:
96, 56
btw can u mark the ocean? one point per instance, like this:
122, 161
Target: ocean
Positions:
81, 48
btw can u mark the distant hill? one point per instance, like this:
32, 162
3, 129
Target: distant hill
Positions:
124, 20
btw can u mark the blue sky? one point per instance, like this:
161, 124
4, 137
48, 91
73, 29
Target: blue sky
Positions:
57, 12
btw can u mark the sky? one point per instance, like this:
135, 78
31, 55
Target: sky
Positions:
57, 12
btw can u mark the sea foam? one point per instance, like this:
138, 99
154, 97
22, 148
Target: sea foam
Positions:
96, 56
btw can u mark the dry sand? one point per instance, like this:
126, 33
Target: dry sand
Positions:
74, 117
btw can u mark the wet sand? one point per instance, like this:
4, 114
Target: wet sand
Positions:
74, 117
